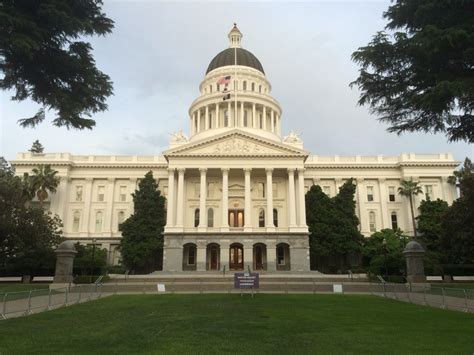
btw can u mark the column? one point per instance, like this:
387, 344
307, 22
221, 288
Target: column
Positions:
225, 200
170, 202
248, 202
180, 198
364, 226
291, 197
271, 255
87, 206
217, 115
229, 114
193, 123
248, 256
199, 121
254, 118
224, 255
206, 119
269, 216
277, 123
241, 114
201, 249
383, 204
264, 117
272, 118
301, 199
109, 206
202, 201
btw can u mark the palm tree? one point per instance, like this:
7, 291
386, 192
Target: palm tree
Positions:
410, 188
44, 180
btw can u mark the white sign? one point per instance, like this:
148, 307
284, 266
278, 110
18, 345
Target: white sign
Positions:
161, 287
337, 288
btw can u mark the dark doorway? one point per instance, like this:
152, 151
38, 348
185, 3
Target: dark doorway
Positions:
236, 257
213, 257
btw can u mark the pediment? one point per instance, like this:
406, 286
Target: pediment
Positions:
235, 143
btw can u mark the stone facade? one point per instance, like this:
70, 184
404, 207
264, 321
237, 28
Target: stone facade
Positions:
235, 188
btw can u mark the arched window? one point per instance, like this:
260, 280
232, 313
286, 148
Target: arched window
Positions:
261, 218
226, 118
275, 217
245, 118
196, 217
76, 220
120, 219
372, 224
394, 220
98, 222
253, 86
210, 217
245, 85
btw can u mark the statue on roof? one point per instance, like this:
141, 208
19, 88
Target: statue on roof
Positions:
292, 137
179, 137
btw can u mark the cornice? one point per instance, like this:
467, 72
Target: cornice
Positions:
381, 166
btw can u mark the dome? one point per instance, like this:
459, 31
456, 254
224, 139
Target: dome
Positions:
227, 57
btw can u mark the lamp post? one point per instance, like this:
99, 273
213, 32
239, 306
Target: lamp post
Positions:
93, 257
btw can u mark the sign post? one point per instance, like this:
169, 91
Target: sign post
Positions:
246, 280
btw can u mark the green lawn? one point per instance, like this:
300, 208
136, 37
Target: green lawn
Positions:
16, 287
231, 323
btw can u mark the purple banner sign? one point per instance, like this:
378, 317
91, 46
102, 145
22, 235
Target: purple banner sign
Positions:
245, 280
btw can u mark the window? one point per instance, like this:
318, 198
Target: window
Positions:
275, 217
210, 189
195, 125
226, 118
281, 254
191, 255
275, 190
327, 190
394, 220
101, 193
210, 217
210, 120
253, 86
261, 189
245, 86
245, 118
372, 225
76, 220
98, 221
370, 193
428, 191
261, 218
260, 120
197, 189
123, 193
79, 190
391, 193
120, 219
196, 217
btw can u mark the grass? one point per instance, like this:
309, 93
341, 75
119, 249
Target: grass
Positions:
17, 287
231, 323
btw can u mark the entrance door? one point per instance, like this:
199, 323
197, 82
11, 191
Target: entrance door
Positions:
214, 258
236, 257
258, 258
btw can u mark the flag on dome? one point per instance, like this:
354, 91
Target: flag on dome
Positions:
225, 80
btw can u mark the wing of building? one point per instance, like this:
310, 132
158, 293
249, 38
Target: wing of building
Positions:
235, 188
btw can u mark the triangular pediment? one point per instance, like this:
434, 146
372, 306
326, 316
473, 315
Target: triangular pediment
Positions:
235, 143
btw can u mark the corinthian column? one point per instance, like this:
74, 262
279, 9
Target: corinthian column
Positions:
225, 200
248, 205
269, 216
180, 198
301, 199
202, 201
170, 202
291, 197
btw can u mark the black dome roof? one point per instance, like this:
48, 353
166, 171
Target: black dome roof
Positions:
227, 57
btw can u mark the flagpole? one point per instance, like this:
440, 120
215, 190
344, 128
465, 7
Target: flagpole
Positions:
235, 86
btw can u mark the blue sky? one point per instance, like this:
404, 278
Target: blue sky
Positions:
159, 51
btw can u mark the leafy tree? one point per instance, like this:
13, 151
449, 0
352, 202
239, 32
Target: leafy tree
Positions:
458, 226
382, 252
89, 260
37, 147
410, 188
142, 232
27, 234
417, 75
466, 170
333, 225
44, 180
429, 223
44, 58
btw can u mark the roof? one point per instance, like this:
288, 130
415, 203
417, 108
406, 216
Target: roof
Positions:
227, 57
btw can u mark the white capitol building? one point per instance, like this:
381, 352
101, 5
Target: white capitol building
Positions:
236, 187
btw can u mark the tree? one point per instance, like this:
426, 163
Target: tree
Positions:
44, 180
429, 223
333, 226
458, 226
142, 232
417, 75
43, 58
27, 234
466, 170
89, 259
37, 147
410, 188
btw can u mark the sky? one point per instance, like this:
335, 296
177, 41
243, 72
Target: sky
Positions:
158, 54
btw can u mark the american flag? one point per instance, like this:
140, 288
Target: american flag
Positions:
224, 80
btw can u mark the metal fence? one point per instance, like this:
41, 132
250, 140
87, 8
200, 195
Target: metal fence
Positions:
15, 304
458, 299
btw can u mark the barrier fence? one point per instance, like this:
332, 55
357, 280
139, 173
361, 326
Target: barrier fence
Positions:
20, 303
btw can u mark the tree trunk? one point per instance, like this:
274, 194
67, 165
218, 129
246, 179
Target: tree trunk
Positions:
413, 216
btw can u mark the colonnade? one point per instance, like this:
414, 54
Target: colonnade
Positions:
295, 204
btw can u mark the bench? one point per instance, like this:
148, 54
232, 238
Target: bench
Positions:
43, 279
10, 279
463, 278
434, 278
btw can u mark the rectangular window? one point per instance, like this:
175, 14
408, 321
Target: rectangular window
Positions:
429, 191
210, 190
261, 190
101, 193
79, 190
275, 190
370, 193
391, 193
191, 255
123, 193
197, 189
394, 221
372, 224
76, 221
